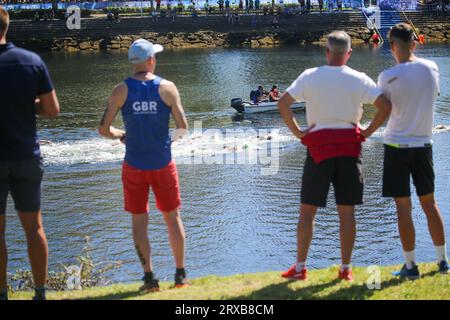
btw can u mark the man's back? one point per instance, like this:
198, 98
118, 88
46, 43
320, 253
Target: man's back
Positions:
146, 117
334, 95
24, 77
413, 88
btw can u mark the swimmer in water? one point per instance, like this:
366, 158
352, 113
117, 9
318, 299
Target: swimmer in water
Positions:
45, 142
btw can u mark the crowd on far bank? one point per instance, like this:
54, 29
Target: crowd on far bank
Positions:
228, 8
306, 5
232, 9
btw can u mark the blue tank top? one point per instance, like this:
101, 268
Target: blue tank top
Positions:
146, 118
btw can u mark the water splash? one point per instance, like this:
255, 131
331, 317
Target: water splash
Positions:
437, 129
96, 150
441, 128
92, 149
211, 142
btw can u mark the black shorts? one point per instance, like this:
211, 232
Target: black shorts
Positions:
402, 163
23, 179
346, 175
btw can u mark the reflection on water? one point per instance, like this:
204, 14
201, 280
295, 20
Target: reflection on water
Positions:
237, 220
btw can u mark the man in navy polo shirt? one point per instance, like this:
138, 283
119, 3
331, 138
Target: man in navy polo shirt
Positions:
26, 90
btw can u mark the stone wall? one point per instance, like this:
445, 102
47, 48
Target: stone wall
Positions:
436, 32
184, 32
200, 39
203, 32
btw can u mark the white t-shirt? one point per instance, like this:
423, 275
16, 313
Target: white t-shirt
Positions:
334, 96
412, 88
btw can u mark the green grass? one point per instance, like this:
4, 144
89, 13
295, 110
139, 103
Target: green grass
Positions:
321, 284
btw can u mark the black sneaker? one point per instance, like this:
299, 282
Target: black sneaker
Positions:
411, 274
181, 280
150, 286
39, 298
444, 267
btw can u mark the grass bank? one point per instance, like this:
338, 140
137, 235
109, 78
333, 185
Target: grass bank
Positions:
321, 284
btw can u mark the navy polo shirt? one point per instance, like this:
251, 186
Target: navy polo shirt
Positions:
23, 77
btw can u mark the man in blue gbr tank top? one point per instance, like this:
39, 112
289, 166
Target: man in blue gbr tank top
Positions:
146, 102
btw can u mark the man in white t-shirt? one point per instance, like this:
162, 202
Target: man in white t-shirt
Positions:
412, 86
334, 96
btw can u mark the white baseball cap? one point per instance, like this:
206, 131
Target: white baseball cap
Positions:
141, 50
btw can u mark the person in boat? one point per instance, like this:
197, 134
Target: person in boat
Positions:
334, 95
413, 86
259, 95
274, 94
27, 91
147, 102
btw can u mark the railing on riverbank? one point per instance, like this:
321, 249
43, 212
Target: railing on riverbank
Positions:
416, 33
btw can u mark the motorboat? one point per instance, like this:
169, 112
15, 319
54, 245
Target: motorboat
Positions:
264, 106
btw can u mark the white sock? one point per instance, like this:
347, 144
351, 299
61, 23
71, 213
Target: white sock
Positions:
441, 253
345, 267
300, 266
410, 257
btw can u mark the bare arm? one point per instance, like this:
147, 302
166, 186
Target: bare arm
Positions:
47, 105
170, 95
384, 108
115, 102
284, 106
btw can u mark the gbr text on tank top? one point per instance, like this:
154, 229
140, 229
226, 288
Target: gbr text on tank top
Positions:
146, 117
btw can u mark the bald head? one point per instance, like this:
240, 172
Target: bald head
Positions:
339, 43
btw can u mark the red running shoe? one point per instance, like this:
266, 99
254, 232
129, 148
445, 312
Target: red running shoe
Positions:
346, 274
292, 273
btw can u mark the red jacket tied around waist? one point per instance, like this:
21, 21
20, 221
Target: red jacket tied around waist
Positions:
334, 143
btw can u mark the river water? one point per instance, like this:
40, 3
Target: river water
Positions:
237, 218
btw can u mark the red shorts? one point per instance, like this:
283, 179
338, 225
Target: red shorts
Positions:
137, 183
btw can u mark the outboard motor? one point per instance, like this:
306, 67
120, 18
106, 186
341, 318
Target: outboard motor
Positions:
237, 105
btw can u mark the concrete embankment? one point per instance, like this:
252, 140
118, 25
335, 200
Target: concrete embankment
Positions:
205, 31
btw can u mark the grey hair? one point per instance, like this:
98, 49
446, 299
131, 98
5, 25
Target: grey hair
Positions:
339, 42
